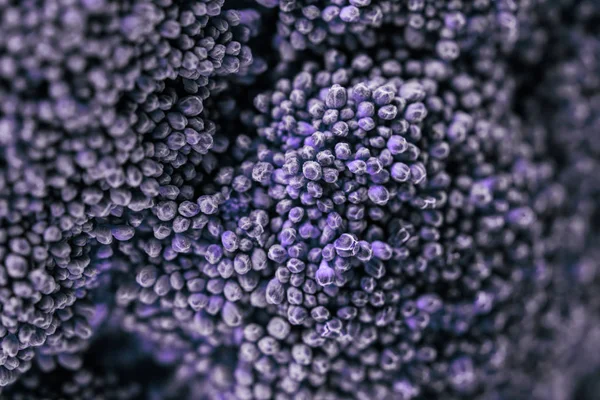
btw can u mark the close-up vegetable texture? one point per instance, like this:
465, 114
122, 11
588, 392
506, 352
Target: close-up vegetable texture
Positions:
300, 199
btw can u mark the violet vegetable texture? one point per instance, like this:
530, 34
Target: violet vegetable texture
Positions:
299, 199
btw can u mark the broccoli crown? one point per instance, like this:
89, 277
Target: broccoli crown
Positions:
299, 199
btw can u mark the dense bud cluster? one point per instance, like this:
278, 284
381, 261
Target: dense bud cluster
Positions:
556, 352
409, 208
99, 101
298, 199
447, 28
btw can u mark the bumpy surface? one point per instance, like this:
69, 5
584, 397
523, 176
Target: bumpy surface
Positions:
299, 199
